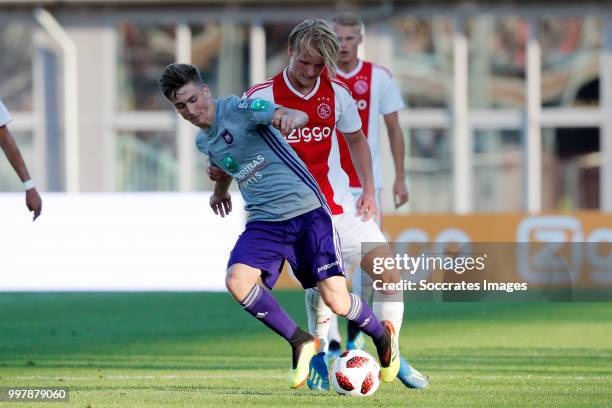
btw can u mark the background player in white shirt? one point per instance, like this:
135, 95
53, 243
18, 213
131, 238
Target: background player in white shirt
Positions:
8, 145
376, 93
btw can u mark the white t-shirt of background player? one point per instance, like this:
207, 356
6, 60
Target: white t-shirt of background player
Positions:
5, 116
384, 98
334, 183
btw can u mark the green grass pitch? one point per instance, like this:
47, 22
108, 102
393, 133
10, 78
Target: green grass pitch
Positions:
201, 349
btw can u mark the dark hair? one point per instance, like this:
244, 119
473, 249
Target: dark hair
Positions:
175, 76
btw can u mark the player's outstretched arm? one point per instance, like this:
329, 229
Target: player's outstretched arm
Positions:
221, 199
396, 141
286, 119
362, 159
8, 145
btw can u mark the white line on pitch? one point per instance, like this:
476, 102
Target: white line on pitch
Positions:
275, 376
144, 377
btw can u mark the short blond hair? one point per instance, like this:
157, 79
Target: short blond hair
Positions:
350, 20
317, 38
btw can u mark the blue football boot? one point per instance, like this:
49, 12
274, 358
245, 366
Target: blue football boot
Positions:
358, 343
318, 377
411, 377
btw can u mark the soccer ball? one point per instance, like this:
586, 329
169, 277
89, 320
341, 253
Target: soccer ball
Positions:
356, 373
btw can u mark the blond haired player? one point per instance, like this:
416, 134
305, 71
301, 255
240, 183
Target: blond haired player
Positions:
306, 84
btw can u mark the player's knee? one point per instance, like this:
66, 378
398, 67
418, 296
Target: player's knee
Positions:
387, 276
370, 263
234, 285
390, 276
339, 305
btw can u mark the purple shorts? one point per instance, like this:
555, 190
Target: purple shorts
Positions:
308, 242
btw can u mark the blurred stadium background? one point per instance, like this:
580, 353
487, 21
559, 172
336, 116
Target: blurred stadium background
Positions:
508, 105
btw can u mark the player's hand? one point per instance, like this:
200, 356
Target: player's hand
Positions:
221, 204
400, 193
286, 120
33, 202
366, 206
216, 174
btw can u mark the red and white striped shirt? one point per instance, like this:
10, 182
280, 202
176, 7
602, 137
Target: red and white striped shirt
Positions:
375, 93
329, 106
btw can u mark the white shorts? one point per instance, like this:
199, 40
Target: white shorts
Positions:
353, 231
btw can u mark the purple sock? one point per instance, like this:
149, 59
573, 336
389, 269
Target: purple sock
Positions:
361, 314
261, 304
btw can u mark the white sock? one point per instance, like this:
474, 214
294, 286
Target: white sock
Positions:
334, 333
387, 307
319, 318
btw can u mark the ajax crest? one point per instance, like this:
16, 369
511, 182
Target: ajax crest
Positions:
361, 87
323, 110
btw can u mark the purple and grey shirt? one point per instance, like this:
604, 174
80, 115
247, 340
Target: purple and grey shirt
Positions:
275, 184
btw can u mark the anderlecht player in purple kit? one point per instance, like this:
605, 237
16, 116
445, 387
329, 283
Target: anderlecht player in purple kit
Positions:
288, 216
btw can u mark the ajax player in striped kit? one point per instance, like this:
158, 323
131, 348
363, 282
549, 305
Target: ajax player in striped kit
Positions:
305, 85
288, 217
375, 93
